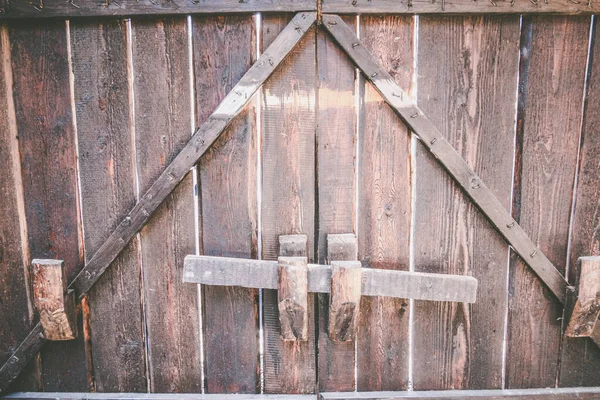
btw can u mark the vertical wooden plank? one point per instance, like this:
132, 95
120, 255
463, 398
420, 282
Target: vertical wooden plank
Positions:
553, 57
106, 161
336, 152
224, 49
16, 311
288, 197
384, 206
469, 92
580, 361
49, 168
162, 90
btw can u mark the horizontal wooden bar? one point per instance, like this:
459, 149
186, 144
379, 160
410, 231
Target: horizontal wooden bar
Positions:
12, 9
261, 274
587, 393
447, 156
460, 7
151, 396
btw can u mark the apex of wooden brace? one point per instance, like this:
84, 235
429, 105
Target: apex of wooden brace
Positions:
55, 304
584, 319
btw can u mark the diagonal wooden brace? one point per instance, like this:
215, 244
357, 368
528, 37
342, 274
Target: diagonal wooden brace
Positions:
447, 156
141, 213
584, 319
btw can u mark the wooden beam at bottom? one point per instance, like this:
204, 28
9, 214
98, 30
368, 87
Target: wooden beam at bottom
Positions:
151, 396
588, 393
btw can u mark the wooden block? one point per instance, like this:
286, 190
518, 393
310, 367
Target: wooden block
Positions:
584, 319
293, 245
293, 298
344, 301
55, 305
342, 247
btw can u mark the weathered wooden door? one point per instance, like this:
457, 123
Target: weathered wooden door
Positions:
94, 111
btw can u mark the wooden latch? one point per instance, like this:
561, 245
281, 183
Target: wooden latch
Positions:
293, 277
344, 300
54, 303
584, 319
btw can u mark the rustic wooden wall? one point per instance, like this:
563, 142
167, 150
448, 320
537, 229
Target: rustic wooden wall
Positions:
91, 112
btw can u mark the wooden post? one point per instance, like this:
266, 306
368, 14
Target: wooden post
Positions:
584, 320
345, 300
55, 305
293, 287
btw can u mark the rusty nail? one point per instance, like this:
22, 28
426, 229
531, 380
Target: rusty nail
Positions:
332, 22
433, 141
415, 115
374, 75
511, 224
533, 254
355, 45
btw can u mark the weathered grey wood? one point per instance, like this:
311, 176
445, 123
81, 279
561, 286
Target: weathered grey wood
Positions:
204, 137
293, 245
516, 394
447, 156
344, 301
11, 9
342, 247
292, 295
232, 105
151, 396
587, 308
459, 7
56, 307
222, 271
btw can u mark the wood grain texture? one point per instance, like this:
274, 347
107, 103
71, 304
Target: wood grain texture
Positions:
223, 52
16, 308
163, 126
336, 167
49, 169
106, 162
55, 307
550, 101
292, 298
153, 396
469, 94
288, 197
447, 156
384, 206
580, 359
457, 7
344, 300
10, 9
21, 356
584, 317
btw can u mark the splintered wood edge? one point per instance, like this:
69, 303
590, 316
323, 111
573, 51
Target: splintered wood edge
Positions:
223, 271
584, 318
344, 302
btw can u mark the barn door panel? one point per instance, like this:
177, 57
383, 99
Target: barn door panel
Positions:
224, 49
336, 174
107, 171
384, 206
469, 92
288, 181
42, 98
163, 125
552, 76
580, 359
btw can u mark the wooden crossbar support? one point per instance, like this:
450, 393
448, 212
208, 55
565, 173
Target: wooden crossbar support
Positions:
459, 7
56, 305
447, 156
584, 319
12, 9
202, 139
223, 271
